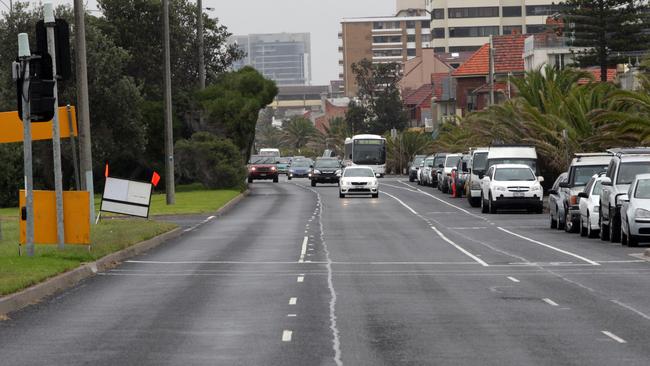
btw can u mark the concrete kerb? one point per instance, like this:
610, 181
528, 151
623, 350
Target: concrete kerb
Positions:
35, 294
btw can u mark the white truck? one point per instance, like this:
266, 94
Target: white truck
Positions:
512, 154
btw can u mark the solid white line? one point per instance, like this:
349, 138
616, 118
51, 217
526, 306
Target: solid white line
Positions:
550, 302
628, 307
292, 315
403, 204
293, 301
614, 336
447, 203
477, 259
286, 336
300, 279
513, 279
593, 263
303, 250
469, 228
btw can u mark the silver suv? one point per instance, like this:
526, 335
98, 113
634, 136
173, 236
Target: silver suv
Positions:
625, 165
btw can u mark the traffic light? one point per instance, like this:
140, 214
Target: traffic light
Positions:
41, 89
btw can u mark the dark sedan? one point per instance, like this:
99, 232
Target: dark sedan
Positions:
300, 169
325, 171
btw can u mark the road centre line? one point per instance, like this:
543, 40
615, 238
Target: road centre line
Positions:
593, 263
293, 301
303, 250
292, 315
286, 336
614, 336
300, 279
550, 302
513, 279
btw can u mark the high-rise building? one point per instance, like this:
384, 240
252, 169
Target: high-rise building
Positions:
283, 57
381, 39
465, 25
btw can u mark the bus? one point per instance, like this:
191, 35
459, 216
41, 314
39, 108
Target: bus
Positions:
366, 150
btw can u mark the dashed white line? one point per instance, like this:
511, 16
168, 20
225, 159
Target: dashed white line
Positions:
550, 302
300, 279
293, 301
513, 279
286, 336
593, 263
614, 336
303, 250
292, 315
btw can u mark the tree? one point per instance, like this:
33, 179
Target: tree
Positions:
356, 118
606, 31
379, 95
298, 132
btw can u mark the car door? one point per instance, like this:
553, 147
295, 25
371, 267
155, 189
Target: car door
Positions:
485, 182
554, 200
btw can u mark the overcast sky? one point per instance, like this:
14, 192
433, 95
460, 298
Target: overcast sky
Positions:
321, 18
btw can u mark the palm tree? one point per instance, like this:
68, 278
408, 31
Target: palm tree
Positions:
298, 132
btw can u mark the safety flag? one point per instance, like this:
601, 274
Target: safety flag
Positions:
106, 171
155, 179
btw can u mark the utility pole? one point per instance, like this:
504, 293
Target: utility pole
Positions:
50, 24
169, 133
24, 56
199, 5
491, 71
83, 109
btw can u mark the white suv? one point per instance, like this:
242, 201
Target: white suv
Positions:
511, 186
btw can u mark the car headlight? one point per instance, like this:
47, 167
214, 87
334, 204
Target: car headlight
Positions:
641, 213
316, 171
536, 188
374, 182
253, 169
273, 168
500, 188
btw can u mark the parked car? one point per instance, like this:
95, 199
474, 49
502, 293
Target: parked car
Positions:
582, 168
451, 160
425, 172
477, 168
325, 171
300, 168
635, 212
358, 180
414, 167
556, 200
283, 165
262, 167
459, 176
511, 186
436, 174
590, 205
624, 166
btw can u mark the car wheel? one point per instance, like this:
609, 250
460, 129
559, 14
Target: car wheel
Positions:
288, 177
250, 180
569, 226
590, 232
276, 179
614, 229
492, 206
560, 224
553, 222
583, 229
411, 179
484, 207
341, 195
313, 183
604, 229
632, 241
375, 195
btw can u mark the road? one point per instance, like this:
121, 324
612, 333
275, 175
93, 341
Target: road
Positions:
296, 276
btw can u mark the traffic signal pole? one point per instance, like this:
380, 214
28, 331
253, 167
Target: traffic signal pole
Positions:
50, 23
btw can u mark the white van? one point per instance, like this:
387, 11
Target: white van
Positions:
477, 168
512, 154
270, 152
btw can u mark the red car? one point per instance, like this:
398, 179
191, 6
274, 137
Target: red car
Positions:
262, 167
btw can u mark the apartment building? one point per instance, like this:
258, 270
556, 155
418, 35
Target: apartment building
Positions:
465, 25
381, 39
283, 57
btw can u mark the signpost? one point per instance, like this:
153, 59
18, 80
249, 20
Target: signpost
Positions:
126, 197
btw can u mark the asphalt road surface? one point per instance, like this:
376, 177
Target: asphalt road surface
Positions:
296, 276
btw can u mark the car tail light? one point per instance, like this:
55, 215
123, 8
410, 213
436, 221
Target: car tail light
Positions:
573, 200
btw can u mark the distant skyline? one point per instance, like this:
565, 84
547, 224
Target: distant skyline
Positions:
320, 18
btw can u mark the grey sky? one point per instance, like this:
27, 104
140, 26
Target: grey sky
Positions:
321, 18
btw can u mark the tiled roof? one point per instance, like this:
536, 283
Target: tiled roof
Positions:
419, 96
508, 51
611, 75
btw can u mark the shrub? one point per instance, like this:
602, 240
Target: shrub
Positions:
12, 173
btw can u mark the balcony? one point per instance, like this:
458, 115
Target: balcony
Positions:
545, 41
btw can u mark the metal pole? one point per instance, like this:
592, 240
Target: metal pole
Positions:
169, 133
24, 55
491, 71
199, 4
73, 141
50, 23
83, 112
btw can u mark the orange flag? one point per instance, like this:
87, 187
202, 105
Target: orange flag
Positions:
155, 179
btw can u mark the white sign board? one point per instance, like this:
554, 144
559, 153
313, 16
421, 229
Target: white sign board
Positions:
126, 197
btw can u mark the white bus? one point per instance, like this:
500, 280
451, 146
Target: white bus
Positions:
366, 150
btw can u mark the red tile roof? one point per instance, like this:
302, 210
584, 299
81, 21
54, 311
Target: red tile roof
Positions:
420, 96
508, 51
611, 75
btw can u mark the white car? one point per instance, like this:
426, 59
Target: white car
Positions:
589, 206
635, 212
511, 186
358, 180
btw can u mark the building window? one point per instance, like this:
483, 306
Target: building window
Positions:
511, 11
410, 38
410, 24
559, 62
511, 29
438, 14
410, 52
457, 32
386, 25
463, 48
425, 38
378, 25
386, 53
536, 28
425, 24
545, 10
387, 39
438, 50
439, 32
482, 12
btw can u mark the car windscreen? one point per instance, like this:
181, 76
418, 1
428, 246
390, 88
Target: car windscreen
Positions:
514, 174
627, 171
369, 152
438, 160
301, 164
532, 163
283, 161
479, 162
417, 161
327, 164
642, 189
358, 172
582, 174
452, 161
428, 162
256, 159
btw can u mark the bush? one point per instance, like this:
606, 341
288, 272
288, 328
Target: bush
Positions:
11, 173
214, 162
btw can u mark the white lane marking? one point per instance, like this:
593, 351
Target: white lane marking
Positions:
292, 315
628, 307
286, 336
211, 217
469, 228
513, 279
303, 250
593, 263
477, 259
628, 261
300, 279
403, 204
446, 203
614, 336
214, 262
293, 301
550, 302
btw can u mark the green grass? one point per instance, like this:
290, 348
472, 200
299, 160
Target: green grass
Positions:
109, 236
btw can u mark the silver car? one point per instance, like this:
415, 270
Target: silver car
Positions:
590, 205
635, 212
